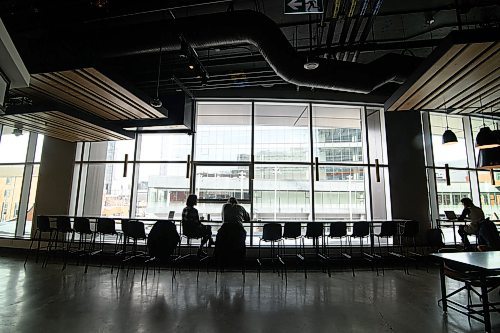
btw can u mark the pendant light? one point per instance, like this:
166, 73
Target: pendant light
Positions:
486, 139
156, 102
449, 137
489, 159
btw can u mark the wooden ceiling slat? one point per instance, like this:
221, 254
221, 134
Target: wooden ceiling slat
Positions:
45, 84
475, 99
443, 74
426, 76
121, 94
474, 86
472, 71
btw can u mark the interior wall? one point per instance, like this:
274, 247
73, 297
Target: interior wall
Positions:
55, 177
408, 179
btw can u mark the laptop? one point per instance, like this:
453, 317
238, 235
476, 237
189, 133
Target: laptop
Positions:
450, 215
171, 214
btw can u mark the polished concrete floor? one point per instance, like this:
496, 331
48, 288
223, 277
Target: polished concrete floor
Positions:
39, 299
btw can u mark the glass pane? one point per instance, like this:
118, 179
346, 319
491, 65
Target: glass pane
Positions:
337, 134
13, 147
165, 147
455, 155
223, 131
282, 192
112, 150
489, 193
11, 180
31, 200
161, 188
340, 193
107, 192
282, 132
39, 147
215, 211
222, 182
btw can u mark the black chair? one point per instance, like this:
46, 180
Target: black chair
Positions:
81, 226
272, 233
361, 230
338, 230
42, 226
293, 230
388, 229
63, 228
105, 227
407, 239
133, 231
163, 239
314, 231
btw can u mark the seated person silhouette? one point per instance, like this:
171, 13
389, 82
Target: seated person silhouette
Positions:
232, 212
475, 214
192, 227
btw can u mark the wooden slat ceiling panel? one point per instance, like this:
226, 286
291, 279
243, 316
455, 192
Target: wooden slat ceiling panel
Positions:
458, 79
60, 125
89, 90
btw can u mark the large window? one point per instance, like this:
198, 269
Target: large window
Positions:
20, 153
262, 153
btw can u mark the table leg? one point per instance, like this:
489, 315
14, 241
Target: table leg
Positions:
443, 286
486, 307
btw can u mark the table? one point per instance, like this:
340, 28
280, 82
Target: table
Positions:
484, 263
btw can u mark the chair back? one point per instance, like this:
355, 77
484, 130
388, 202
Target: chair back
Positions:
360, 229
410, 229
82, 225
163, 239
106, 226
43, 223
388, 229
292, 230
435, 238
63, 224
338, 229
125, 227
272, 232
314, 229
135, 229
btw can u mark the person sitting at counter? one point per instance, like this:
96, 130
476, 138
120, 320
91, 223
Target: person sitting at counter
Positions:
192, 227
233, 212
488, 238
475, 214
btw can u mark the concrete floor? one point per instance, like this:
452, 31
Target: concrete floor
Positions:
49, 300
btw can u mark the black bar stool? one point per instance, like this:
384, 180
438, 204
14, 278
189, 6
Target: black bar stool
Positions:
42, 225
81, 226
272, 233
63, 227
388, 229
361, 230
293, 230
315, 231
134, 231
338, 230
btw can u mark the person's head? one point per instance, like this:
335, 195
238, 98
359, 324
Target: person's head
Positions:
232, 201
192, 200
467, 202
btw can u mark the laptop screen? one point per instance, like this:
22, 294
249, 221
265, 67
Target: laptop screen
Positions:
171, 214
450, 215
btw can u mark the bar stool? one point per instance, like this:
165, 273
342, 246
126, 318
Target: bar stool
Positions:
63, 227
338, 230
81, 226
410, 232
135, 231
42, 225
315, 231
293, 230
361, 230
272, 233
387, 229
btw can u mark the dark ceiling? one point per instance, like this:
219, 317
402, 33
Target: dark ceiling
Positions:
359, 31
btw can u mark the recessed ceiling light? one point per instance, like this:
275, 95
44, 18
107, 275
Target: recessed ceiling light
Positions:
155, 102
311, 65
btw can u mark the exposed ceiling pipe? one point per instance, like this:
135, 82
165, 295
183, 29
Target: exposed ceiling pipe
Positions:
86, 48
368, 27
346, 25
333, 23
356, 26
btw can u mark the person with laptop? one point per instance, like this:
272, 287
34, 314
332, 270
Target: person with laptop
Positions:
476, 216
232, 211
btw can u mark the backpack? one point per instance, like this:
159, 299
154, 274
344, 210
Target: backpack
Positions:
163, 240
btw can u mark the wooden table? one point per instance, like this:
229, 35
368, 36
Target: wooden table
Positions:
484, 263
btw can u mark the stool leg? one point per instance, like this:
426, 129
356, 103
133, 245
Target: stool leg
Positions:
29, 250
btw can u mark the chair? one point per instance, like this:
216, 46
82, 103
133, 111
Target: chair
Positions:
293, 230
272, 233
63, 227
81, 226
163, 239
360, 230
230, 248
388, 229
338, 230
410, 232
42, 225
315, 231
134, 231
105, 227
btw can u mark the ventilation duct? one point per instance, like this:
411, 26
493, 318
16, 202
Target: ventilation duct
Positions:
217, 30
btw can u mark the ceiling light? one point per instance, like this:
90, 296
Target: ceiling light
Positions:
449, 137
486, 139
155, 102
489, 158
311, 65
191, 66
17, 131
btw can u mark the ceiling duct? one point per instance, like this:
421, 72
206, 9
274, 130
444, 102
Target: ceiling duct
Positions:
88, 47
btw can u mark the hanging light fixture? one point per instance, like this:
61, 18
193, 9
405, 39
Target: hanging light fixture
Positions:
489, 159
156, 102
486, 139
449, 137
